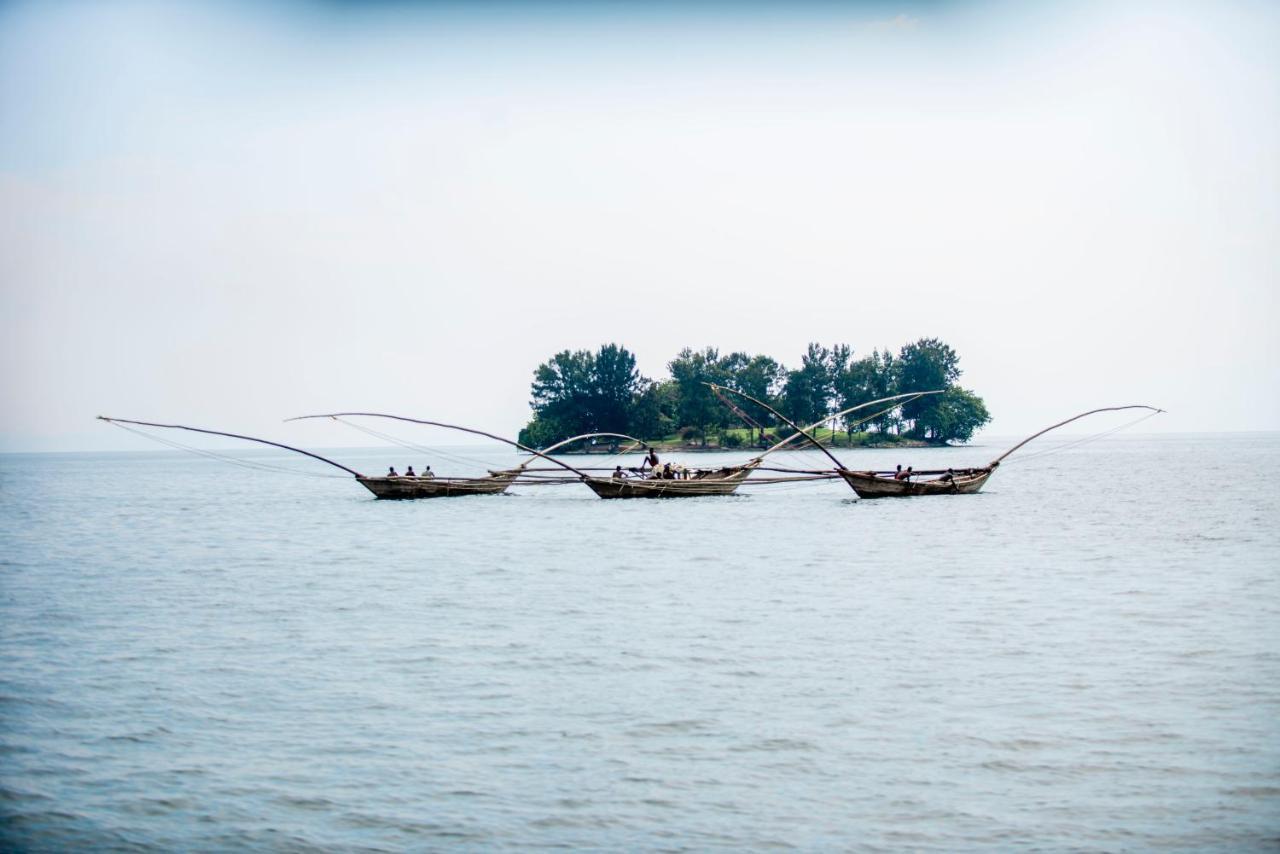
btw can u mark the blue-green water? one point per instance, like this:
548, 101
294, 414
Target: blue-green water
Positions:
1084, 656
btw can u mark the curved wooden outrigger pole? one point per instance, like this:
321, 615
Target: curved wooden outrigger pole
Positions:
793, 424
562, 443
511, 442
911, 395
997, 460
352, 472
802, 431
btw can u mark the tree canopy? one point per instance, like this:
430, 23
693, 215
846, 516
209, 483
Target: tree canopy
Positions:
585, 392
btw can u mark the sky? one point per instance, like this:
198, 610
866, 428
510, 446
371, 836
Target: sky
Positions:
224, 215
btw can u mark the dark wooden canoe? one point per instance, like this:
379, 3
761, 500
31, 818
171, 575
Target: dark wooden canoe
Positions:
437, 487
868, 484
710, 484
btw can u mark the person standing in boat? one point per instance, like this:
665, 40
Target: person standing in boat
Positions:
650, 462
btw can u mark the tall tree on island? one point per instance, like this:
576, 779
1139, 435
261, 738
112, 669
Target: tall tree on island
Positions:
758, 376
655, 411
583, 392
869, 378
697, 407
959, 414
925, 365
807, 393
953, 416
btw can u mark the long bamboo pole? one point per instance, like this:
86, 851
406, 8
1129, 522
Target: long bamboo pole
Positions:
571, 439
911, 394
511, 442
997, 460
234, 436
793, 424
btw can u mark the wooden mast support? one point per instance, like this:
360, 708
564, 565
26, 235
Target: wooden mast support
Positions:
571, 439
797, 427
579, 473
802, 431
910, 395
747, 419
352, 472
997, 460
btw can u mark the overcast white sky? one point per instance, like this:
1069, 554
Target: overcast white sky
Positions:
225, 215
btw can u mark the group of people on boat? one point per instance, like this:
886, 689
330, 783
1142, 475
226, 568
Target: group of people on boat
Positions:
409, 472
909, 472
651, 468
666, 472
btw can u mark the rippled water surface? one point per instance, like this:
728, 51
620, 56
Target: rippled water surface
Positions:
1086, 655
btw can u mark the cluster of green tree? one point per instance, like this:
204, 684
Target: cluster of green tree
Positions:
584, 392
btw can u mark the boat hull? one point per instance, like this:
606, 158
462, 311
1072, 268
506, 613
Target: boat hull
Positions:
870, 485
607, 487
401, 488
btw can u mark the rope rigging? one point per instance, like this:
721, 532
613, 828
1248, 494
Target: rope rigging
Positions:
1080, 442
224, 458
416, 448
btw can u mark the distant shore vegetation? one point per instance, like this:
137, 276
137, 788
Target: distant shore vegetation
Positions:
595, 392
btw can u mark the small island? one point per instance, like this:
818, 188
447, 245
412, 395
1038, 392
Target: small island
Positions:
584, 392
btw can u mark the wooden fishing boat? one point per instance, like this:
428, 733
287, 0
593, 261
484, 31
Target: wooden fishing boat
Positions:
438, 487
721, 482
869, 484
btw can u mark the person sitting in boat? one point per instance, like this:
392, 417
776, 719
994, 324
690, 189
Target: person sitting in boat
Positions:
666, 471
391, 471
948, 477
427, 472
618, 473
902, 475
409, 472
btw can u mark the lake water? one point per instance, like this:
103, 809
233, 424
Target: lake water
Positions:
1084, 656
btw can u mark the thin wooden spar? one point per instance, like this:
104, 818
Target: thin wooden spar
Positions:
793, 424
751, 422
911, 395
352, 472
805, 431
997, 460
511, 442
561, 444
